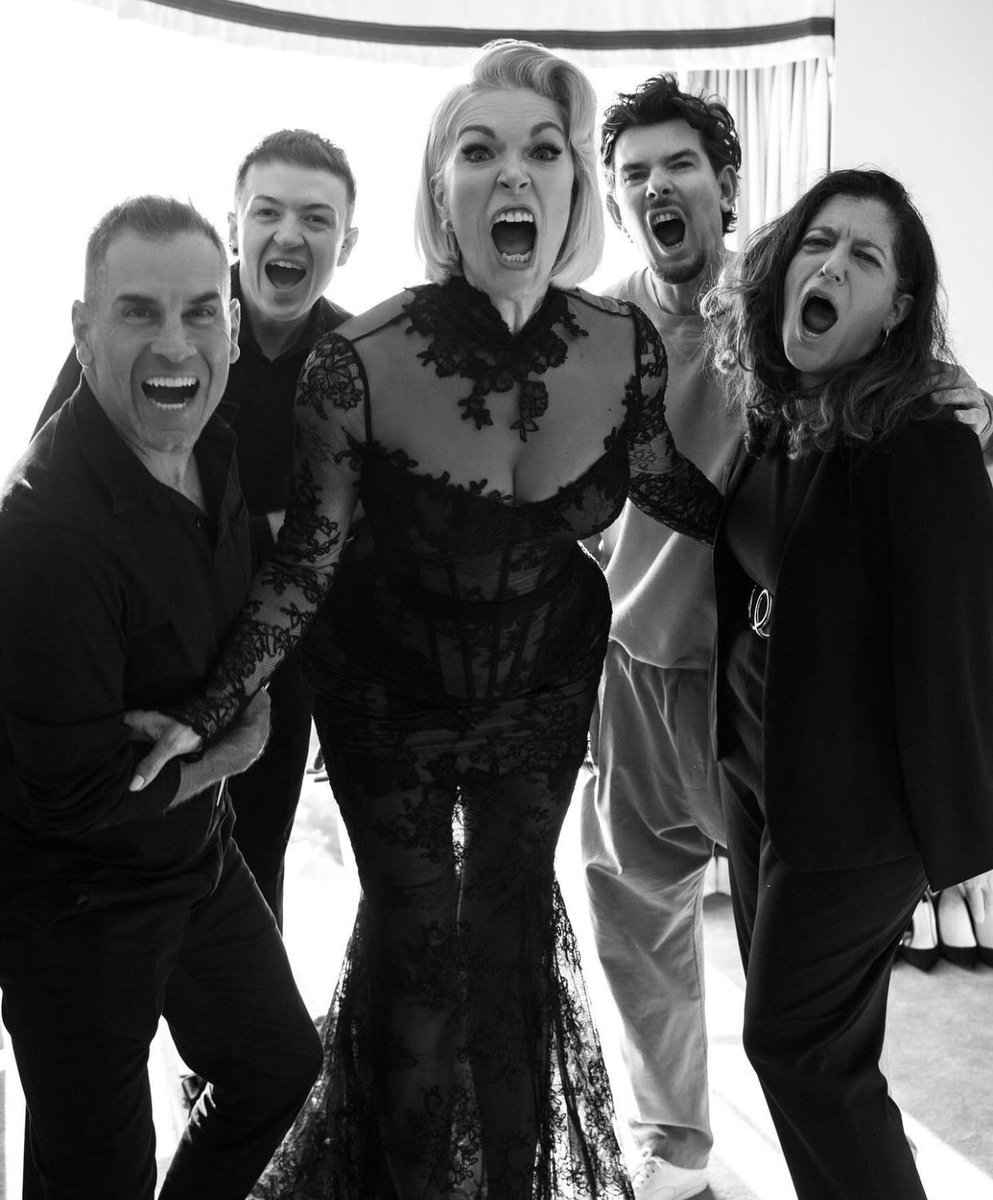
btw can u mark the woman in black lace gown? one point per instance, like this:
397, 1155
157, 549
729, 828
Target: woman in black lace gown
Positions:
487, 421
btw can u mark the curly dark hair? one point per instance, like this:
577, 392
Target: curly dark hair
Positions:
863, 402
661, 99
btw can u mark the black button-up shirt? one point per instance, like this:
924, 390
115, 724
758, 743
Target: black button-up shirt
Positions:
115, 593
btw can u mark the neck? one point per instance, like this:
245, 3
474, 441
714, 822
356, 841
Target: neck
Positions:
516, 312
517, 309
683, 299
273, 337
177, 469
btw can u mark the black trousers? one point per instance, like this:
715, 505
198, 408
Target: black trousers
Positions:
265, 797
818, 948
83, 989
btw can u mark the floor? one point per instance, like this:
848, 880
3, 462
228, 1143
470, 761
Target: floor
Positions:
939, 1050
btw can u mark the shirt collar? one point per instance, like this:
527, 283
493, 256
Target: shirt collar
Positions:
122, 473
320, 319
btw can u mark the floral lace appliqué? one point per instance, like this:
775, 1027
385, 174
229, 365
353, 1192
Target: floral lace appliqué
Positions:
469, 338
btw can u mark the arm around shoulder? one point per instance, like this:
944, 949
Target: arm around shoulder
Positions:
941, 539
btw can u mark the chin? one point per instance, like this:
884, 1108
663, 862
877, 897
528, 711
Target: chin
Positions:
679, 271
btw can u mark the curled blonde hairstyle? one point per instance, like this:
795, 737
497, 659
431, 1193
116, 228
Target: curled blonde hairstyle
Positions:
509, 63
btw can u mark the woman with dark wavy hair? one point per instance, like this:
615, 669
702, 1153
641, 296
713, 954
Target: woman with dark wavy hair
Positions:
854, 665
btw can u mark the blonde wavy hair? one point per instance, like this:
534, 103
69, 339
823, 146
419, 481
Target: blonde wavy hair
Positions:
509, 63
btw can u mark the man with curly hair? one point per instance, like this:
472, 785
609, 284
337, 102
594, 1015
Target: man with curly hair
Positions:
653, 816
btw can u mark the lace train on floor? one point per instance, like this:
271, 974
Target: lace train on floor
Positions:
566, 1151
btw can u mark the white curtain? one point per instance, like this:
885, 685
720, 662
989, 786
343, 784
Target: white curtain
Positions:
686, 34
783, 115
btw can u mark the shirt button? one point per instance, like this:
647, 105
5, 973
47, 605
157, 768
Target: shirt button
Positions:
200, 522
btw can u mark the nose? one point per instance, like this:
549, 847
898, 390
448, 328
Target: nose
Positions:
659, 183
833, 267
172, 341
288, 232
513, 176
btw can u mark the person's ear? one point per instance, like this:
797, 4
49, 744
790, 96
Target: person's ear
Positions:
614, 211
727, 181
438, 195
82, 333
903, 302
347, 245
234, 352
233, 233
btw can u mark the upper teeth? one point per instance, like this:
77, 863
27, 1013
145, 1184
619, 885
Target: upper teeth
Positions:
283, 262
659, 218
172, 381
514, 214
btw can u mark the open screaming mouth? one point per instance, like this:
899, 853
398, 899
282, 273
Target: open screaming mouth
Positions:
668, 229
818, 314
171, 393
514, 235
284, 274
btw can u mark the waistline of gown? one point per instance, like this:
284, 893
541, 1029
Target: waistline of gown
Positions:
416, 595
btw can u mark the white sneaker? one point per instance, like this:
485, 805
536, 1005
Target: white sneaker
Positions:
656, 1179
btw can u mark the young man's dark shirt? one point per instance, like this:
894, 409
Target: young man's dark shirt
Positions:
115, 593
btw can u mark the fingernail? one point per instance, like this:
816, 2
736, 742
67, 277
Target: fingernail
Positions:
136, 784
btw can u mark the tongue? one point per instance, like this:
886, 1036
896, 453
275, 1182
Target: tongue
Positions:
818, 315
513, 237
670, 233
284, 277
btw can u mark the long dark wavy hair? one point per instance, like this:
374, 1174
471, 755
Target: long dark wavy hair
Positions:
863, 402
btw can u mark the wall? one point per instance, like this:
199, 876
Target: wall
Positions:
914, 96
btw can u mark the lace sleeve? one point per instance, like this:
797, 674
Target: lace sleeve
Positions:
289, 588
664, 484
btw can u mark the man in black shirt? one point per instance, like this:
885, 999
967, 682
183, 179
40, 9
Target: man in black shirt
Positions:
292, 226
124, 556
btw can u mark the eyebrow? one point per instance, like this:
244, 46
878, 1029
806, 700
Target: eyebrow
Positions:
139, 298
490, 133
861, 241
685, 152
289, 204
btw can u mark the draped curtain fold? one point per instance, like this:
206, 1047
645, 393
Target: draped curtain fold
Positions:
783, 115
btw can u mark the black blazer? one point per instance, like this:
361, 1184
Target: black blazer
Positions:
878, 703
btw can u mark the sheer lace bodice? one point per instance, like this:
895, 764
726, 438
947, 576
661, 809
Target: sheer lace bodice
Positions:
480, 458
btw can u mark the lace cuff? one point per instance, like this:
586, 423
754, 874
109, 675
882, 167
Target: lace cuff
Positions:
683, 499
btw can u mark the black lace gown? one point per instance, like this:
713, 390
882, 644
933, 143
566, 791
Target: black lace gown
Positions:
456, 661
